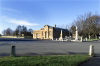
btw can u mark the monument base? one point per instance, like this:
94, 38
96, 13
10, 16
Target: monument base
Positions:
76, 40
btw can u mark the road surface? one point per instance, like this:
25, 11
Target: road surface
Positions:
47, 47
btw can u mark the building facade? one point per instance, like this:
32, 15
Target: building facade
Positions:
49, 32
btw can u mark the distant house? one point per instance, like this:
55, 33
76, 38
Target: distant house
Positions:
49, 32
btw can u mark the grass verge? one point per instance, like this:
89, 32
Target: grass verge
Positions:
53, 60
93, 39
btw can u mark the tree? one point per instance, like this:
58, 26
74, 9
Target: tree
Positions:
17, 31
30, 32
72, 29
0, 35
88, 25
22, 30
4, 32
93, 23
8, 32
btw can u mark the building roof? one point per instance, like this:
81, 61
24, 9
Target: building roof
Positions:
55, 27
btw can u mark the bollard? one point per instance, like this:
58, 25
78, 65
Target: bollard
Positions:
13, 53
91, 50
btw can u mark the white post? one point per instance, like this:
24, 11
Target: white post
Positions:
91, 50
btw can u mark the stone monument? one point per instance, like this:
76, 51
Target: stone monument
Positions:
81, 39
61, 37
76, 34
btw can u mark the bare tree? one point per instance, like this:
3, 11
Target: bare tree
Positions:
88, 25
17, 31
93, 26
8, 32
22, 30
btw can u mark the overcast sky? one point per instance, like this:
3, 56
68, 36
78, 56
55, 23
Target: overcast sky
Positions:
36, 13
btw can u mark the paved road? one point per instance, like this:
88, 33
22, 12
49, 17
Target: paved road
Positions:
46, 47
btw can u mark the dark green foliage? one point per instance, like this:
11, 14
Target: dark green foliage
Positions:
22, 30
64, 60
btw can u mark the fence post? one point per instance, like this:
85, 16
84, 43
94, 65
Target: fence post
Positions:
91, 50
13, 50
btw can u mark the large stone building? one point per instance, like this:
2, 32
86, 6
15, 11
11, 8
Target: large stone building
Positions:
49, 32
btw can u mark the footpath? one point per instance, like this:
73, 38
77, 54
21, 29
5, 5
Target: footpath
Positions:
95, 61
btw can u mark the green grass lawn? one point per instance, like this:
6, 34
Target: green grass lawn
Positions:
53, 60
93, 39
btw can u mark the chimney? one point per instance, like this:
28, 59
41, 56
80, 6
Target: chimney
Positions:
55, 25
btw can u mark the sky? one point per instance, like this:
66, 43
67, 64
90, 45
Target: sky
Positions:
35, 14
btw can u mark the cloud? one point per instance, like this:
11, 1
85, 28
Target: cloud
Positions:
16, 21
23, 22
